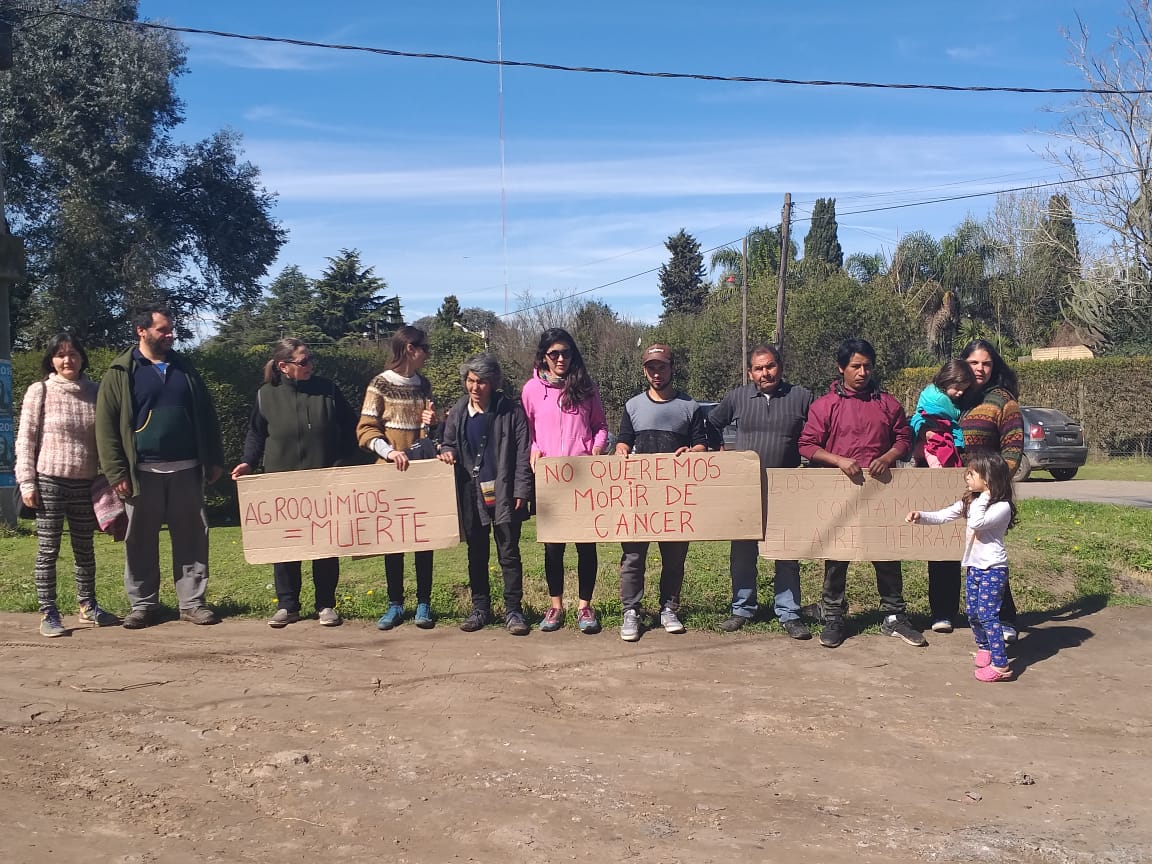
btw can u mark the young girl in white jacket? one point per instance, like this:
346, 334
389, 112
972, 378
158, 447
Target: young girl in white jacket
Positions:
990, 510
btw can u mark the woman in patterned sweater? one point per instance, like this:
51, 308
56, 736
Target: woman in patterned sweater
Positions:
397, 413
991, 423
56, 463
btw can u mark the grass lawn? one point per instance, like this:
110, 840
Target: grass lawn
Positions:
1064, 556
1117, 469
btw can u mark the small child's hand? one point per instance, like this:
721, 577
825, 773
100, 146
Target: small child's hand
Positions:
913, 517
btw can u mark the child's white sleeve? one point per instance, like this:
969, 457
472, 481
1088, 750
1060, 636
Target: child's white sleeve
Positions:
989, 519
939, 517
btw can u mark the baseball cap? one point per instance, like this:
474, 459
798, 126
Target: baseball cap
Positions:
657, 352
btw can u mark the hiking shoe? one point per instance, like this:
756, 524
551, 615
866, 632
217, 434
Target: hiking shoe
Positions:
138, 619
93, 616
795, 629
898, 626
393, 616
834, 633
423, 618
329, 617
553, 620
476, 620
733, 623
1010, 634
630, 629
52, 625
515, 624
670, 622
587, 621
283, 618
943, 625
199, 615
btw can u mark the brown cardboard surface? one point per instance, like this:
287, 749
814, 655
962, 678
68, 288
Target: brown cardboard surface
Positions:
820, 513
366, 510
694, 496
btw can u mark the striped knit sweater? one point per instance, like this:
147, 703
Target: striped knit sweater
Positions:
68, 439
995, 424
392, 408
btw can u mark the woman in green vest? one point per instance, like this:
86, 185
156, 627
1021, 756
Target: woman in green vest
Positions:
300, 421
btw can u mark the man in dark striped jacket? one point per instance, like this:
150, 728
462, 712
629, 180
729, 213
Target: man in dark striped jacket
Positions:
769, 414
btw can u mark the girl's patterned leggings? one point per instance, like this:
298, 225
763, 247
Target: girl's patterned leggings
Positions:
983, 590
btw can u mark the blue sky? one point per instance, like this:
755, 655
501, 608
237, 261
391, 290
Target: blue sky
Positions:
400, 158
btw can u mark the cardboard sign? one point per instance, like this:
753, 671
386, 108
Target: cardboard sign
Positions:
367, 510
611, 499
820, 513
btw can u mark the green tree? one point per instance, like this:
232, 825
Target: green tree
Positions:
763, 257
821, 243
114, 211
449, 312
349, 301
682, 278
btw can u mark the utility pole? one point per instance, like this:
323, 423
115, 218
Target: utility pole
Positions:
743, 307
11, 272
785, 245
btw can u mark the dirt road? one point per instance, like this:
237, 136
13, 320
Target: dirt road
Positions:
241, 744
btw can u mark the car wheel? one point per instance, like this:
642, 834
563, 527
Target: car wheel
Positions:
1064, 473
1023, 469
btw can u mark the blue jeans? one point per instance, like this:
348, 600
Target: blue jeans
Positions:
743, 558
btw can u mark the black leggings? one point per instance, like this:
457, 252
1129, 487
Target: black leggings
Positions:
394, 576
586, 565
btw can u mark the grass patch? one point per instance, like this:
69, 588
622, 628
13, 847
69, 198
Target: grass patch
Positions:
1117, 469
1064, 555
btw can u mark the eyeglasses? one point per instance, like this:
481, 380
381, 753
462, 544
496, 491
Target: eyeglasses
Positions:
307, 361
422, 346
566, 354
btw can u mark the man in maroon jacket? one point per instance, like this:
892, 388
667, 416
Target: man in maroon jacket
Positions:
858, 428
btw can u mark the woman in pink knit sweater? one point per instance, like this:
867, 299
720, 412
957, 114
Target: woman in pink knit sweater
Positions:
565, 418
56, 463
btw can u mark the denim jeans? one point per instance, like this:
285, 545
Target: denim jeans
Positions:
743, 559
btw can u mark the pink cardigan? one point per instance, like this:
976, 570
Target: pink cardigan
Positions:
563, 432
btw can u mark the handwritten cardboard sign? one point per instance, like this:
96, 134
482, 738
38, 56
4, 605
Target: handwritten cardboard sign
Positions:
820, 513
367, 510
694, 496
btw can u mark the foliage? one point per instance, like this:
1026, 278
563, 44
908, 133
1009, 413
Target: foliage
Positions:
449, 312
349, 301
682, 278
821, 244
114, 212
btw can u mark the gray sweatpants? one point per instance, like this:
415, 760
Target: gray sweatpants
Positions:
178, 500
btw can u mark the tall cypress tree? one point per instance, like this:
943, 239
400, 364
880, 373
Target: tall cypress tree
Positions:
1057, 259
682, 278
822, 245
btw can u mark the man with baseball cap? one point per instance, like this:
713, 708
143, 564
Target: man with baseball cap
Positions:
659, 420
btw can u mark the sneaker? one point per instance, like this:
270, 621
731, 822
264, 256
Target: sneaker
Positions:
93, 616
795, 629
283, 618
733, 623
943, 625
199, 615
52, 624
630, 629
670, 622
138, 619
515, 624
834, 633
423, 618
587, 621
329, 617
393, 616
898, 626
476, 620
553, 620
1010, 634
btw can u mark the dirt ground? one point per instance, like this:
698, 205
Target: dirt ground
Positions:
239, 743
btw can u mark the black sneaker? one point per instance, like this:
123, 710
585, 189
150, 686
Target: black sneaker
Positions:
476, 620
814, 611
834, 633
795, 629
898, 626
733, 623
515, 624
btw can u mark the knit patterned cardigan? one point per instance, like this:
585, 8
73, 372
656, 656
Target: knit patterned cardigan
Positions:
392, 408
68, 439
995, 425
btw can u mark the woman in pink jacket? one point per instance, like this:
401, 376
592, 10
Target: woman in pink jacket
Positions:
565, 418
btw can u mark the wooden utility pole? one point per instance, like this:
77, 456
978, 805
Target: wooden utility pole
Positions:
743, 307
782, 277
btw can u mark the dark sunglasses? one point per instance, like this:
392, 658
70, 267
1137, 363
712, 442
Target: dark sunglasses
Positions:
566, 354
307, 361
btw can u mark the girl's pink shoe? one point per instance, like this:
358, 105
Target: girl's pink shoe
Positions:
991, 673
983, 658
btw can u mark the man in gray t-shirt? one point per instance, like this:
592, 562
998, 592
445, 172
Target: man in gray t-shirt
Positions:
659, 420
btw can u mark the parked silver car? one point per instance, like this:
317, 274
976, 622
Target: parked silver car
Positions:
1053, 442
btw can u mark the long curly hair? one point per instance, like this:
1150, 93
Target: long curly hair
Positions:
577, 383
997, 476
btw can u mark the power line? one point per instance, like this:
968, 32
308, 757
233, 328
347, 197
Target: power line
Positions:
596, 70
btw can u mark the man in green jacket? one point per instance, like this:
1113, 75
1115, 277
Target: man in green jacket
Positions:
159, 441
